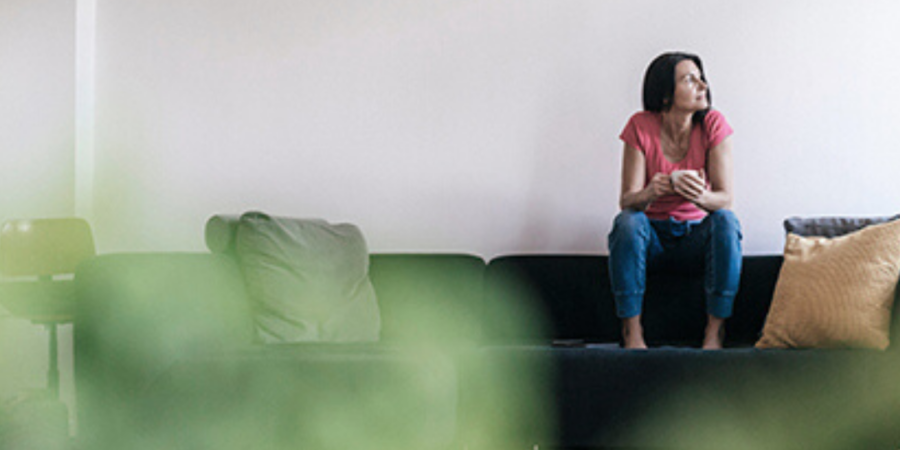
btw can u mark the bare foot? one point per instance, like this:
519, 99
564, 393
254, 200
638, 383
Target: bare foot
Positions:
715, 333
712, 344
635, 343
633, 333
714, 338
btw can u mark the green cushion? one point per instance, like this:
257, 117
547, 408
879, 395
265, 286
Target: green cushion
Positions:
308, 280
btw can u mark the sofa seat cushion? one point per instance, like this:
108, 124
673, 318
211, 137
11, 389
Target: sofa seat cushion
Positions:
325, 396
675, 397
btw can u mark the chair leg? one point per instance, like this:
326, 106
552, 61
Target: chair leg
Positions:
53, 371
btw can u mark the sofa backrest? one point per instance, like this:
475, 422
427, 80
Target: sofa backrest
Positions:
429, 297
562, 296
759, 275
544, 297
421, 297
572, 295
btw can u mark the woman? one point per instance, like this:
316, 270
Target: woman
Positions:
683, 218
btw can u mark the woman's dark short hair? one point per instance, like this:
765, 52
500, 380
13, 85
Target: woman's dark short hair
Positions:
659, 83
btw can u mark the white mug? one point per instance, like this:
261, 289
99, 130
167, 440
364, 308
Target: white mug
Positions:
676, 175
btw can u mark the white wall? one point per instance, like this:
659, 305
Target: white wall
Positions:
37, 131
481, 126
37, 99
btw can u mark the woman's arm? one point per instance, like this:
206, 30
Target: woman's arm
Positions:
720, 171
634, 194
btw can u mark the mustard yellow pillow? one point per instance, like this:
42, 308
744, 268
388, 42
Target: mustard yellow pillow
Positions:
835, 293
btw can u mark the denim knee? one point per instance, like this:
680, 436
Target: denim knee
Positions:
725, 221
630, 223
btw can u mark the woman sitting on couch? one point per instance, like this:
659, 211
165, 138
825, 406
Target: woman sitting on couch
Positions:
676, 195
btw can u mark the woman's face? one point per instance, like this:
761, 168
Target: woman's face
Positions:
690, 89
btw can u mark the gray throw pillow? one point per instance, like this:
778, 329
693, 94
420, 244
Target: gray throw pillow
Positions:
308, 280
831, 227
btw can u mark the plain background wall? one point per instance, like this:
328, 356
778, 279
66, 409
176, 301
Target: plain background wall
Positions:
37, 108
487, 127
37, 133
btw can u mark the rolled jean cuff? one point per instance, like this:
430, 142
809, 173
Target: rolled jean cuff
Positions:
720, 305
629, 305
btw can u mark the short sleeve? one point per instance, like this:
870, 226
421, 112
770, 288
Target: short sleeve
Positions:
630, 134
717, 128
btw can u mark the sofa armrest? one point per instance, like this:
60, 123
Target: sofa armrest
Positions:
137, 314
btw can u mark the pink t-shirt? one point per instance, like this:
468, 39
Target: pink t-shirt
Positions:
643, 132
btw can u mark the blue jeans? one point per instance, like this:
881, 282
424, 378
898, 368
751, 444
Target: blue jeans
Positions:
638, 243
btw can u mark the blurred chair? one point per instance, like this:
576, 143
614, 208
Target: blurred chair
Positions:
37, 259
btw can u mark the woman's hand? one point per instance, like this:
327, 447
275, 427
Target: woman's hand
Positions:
660, 185
691, 186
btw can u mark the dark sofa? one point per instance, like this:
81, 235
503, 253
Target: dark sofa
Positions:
512, 353
676, 395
